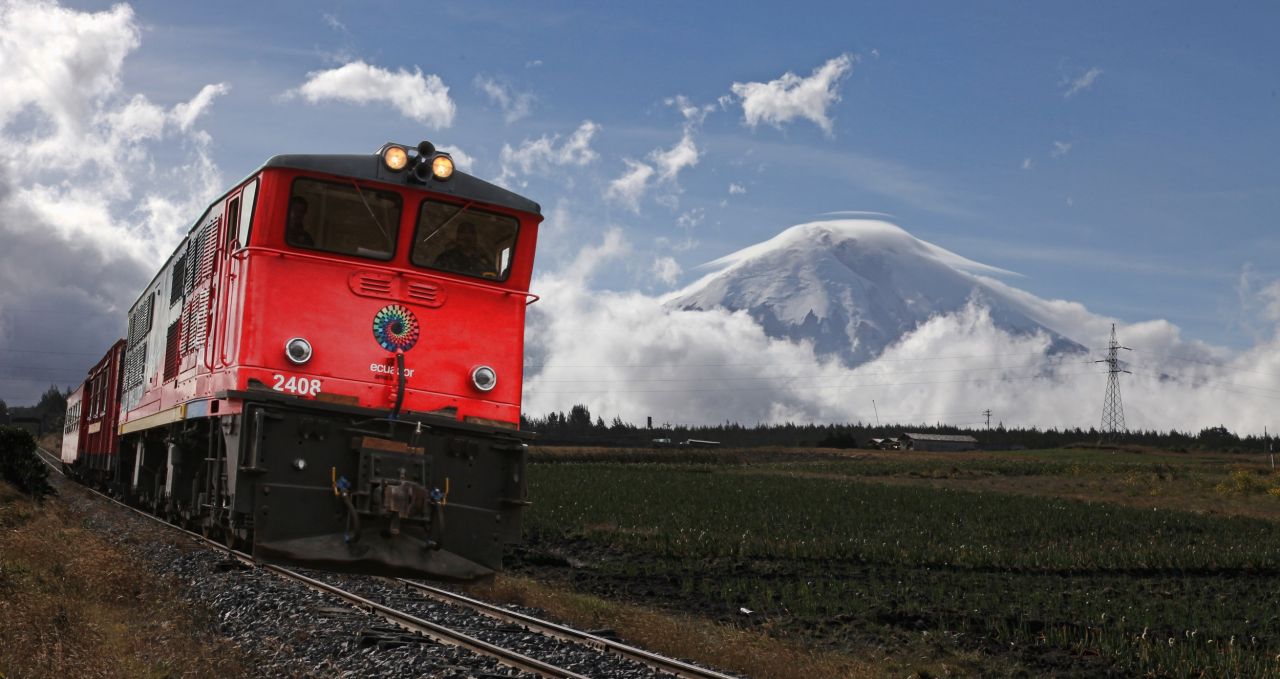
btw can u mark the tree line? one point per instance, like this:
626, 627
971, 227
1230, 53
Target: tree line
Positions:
579, 427
47, 414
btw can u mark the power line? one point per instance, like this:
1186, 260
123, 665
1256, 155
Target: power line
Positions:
861, 385
54, 353
820, 375
1213, 364
33, 379
548, 366
1242, 389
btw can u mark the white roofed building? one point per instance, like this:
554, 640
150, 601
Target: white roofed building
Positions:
940, 442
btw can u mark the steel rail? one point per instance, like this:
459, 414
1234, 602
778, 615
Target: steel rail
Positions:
661, 663
431, 630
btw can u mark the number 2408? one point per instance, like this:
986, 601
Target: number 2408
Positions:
296, 385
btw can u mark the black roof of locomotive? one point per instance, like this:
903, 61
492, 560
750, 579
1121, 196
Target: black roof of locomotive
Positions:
370, 167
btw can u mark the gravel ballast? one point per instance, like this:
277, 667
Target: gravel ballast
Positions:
286, 629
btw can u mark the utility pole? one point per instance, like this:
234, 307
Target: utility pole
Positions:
873, 407
1271, 447
987, 412
1112, 406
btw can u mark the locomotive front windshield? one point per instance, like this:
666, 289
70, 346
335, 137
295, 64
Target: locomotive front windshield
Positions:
466, 241
343, 218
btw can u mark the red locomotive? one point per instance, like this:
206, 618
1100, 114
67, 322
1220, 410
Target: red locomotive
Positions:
328, 369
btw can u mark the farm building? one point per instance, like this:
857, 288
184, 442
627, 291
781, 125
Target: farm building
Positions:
939, 442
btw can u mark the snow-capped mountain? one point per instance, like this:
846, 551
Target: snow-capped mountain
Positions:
853, 286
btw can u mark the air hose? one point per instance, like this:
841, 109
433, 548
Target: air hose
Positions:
400, 380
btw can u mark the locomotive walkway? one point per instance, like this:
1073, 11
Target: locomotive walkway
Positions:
519, 641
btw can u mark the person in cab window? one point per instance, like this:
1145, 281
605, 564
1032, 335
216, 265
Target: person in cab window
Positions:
466, 255
295, 231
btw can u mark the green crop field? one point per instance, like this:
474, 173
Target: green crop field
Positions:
876, 557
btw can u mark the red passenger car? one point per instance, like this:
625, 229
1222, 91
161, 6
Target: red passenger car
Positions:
328, 368
99, 414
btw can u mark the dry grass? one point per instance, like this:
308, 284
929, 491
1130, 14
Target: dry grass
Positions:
72, 605
752, 652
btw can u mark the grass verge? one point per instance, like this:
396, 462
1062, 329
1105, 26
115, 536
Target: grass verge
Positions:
754, 652
73, 605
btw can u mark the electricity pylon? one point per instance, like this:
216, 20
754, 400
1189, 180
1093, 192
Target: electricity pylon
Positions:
1112, 406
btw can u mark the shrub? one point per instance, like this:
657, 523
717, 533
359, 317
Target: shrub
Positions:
20, 464
1242, 482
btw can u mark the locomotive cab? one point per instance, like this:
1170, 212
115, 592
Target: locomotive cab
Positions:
329, 368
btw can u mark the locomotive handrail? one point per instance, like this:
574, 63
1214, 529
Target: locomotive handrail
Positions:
218, 317
206, 354
222, 345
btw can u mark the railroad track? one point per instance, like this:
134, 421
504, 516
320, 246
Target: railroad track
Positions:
660, 663
441, 633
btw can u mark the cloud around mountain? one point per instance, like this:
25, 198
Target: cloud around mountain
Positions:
929, 336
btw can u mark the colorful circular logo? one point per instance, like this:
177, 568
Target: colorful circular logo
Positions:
395, 328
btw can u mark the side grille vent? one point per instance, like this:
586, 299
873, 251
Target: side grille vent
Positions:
396, 287
171, 348
424, 293
368, 284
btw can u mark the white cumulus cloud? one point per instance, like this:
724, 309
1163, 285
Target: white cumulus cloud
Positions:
185, 114
692, 218
465, 161
790, 97
671, 161
667, 270
514, 105
665, 164
1081, 83
629, 188
84, 237
539, 155
693, 113
424, 98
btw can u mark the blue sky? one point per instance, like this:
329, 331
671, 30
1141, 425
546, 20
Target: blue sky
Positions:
1168, 190
1121, 155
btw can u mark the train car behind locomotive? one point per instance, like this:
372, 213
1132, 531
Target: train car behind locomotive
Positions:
328, 369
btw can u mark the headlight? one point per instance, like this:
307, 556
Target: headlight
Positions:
298, 350
484, 378
442, 167
395, 158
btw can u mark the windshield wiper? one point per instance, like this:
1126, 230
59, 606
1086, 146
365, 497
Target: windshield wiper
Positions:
385, 234
447, 222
